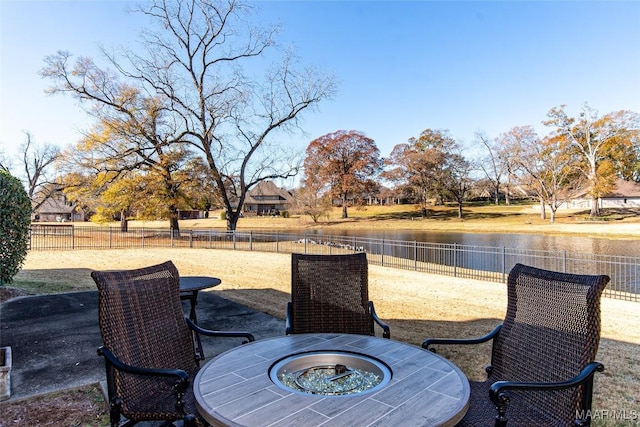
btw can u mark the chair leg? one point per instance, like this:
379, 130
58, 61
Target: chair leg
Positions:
114, 412
501, 417
189, 421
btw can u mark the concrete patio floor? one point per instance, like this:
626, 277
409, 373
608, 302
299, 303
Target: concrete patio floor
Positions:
54, 338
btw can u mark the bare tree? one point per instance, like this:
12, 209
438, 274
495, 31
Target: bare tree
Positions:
5, 162
493, 165
37, 163
312, 200
519, 147
231, 118
193, 64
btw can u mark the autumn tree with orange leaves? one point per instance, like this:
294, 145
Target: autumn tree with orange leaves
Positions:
603, 146
345, 163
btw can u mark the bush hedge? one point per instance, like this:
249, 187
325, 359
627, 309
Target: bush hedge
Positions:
15, 218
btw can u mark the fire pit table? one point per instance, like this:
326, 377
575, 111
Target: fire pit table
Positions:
330, 379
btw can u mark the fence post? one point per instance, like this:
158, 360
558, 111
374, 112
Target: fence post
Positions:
251, 241
170, 237
191, 238
234, 239
73, 237
210, 238
455, 260
277, 243
305, 241
110, 238
415, 255
504, 264
382, 253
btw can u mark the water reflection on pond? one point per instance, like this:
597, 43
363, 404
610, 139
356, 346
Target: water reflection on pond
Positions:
587, 245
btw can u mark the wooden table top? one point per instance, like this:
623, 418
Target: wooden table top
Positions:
234, 388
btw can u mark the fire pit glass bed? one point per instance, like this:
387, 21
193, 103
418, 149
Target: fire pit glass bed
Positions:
330, 373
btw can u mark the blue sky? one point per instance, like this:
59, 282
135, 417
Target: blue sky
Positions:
402, 66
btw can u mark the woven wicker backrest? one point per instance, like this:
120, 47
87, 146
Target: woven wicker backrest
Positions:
551, 331
329, 293
142, 323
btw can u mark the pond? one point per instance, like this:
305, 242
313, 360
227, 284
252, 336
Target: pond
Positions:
516, 241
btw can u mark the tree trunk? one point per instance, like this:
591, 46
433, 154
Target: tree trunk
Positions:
507, 199
344, 207
124, 223
543, 212
595, 207
552, 220
232, 219
460, 210
173, 224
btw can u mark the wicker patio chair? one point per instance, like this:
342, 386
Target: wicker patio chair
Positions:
542, 360
329, 293
148, 345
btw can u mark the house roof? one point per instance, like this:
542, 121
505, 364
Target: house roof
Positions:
266, 189
55, 205
625, 189
621, 189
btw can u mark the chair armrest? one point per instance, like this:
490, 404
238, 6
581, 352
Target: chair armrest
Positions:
499, 397
491, 335
287, 322
386, 331
181, 376
210, 333
499, 387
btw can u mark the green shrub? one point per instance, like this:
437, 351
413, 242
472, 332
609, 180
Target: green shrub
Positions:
284, 214
15, 217
223, 215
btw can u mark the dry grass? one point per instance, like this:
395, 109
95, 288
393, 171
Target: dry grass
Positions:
83, 406
416, 305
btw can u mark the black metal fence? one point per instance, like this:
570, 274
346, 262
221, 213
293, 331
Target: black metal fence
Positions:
464, 261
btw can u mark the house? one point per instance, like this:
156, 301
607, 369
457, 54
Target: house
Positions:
191, 214
57, 209
625, 194
266, 198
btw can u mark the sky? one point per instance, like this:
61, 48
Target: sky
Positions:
402, 66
